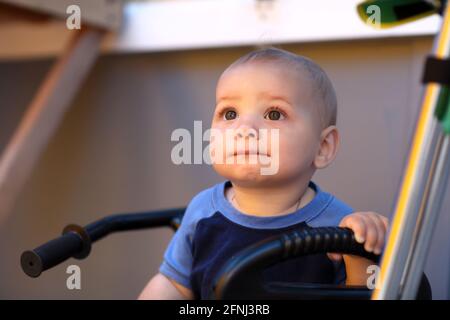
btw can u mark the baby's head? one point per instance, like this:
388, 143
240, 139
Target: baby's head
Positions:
273, 90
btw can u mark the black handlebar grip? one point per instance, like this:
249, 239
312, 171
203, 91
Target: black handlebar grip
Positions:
74, 242
323, 239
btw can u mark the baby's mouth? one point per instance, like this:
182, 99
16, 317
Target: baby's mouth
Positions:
249, 152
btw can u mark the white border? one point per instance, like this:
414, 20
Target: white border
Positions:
185, 24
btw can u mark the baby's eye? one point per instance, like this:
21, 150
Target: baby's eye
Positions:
230, 115
274, 115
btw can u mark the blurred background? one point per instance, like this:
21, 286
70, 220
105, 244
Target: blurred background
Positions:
87, 115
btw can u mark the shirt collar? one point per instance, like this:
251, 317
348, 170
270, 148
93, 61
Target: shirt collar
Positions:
304, 214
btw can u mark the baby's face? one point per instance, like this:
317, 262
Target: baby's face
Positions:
266, 97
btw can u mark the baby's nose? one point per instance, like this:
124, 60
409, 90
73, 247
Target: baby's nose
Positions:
245, 131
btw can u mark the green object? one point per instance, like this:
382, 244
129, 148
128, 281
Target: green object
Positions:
390, 13
443, 109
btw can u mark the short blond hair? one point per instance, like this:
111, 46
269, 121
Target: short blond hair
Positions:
322, 86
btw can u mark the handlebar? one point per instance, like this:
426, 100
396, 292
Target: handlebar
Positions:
76, 241
242, 275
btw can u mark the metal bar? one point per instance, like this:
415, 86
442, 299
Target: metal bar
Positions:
413, 184
427, 222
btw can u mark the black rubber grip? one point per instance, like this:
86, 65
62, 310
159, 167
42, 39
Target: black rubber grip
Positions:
77, 241
50, 254
322, 240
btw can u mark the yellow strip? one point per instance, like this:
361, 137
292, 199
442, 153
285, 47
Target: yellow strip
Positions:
400, 212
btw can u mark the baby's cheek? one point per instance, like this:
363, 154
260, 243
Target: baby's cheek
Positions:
294, 154
217, 151
218, 143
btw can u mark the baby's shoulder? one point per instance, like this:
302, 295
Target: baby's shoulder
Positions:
200, 207
332, 213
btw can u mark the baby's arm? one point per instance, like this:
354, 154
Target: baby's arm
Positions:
162, 288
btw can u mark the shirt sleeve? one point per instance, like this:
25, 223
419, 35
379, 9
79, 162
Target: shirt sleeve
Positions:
177, 262
178, 258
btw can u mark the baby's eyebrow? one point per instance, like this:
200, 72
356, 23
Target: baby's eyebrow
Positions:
234, 98
265, 95
270, 96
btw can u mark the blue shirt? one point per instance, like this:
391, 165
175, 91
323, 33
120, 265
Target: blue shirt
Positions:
212, 230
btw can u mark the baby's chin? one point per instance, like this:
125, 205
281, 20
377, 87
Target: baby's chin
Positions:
248, 175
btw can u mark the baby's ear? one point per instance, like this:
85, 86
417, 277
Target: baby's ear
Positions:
329, 145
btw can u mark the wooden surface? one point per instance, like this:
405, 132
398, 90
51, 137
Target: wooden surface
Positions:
44, 114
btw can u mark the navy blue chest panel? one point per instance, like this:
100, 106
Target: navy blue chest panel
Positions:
217, 239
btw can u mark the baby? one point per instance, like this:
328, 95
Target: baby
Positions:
268, 90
